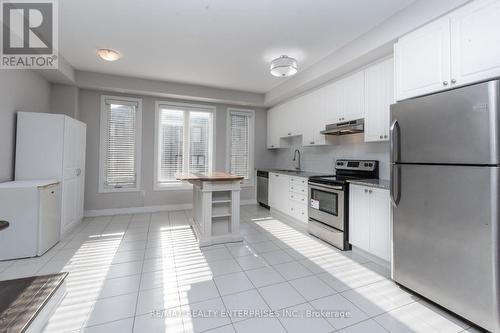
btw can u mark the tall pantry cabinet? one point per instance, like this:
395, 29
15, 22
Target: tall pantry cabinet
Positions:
52, 146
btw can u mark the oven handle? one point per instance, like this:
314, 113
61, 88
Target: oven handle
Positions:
337, 188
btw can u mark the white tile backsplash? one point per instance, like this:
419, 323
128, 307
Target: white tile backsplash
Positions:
322, 158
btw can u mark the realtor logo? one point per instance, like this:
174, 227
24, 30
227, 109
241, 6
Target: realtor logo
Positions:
29, 34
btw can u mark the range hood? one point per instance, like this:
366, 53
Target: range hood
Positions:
346, 127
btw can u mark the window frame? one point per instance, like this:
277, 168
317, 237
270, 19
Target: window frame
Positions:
102, 188
251, 143
182, 185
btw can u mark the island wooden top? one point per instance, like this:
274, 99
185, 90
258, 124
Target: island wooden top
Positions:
211, 176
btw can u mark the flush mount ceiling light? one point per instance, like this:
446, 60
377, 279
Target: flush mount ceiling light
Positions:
108, 54
283, 66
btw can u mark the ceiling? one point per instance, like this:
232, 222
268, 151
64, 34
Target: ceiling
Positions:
217, 43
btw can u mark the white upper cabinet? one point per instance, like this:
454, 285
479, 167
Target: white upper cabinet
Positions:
313, 119
353, 97
334, 102
423, 60
475, 46
379, 95
364, 94
289, 119
273, 139
458, 49
276, 127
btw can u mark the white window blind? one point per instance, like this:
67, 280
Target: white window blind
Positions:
184, 141
240, 150
199, 131
171, 137
120, 140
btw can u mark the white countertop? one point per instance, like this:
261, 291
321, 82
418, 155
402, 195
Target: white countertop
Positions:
28, 183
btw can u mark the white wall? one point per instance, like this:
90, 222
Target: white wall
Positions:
321, 159
64, 100
20, 90
89, 112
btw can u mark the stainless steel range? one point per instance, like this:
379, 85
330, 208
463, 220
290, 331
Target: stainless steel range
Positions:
328, 200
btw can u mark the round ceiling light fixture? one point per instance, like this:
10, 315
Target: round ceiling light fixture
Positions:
283, 66
109, 54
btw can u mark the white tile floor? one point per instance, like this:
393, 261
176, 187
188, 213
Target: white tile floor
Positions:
124, 268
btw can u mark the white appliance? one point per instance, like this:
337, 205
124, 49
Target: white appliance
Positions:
33, 209
52, 146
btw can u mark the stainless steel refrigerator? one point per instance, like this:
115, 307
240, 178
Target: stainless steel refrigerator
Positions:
445, 182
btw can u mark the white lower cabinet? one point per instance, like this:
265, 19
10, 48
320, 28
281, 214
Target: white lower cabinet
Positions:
278, 191
370, 220
288, 194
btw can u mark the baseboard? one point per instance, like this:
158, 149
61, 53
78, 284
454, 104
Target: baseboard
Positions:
371, 257
283, 217
148, 209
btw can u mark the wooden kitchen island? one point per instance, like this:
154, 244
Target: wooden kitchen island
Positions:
216, 206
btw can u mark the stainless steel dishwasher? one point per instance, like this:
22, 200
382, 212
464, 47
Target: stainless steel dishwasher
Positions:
263, 188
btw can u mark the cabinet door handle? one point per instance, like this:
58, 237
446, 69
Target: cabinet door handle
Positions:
445, 83
453, 81
381, 136
289, 133
385, 136
370, 191
366, 190
78, 172
311, 143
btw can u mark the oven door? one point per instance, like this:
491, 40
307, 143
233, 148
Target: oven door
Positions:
326, 205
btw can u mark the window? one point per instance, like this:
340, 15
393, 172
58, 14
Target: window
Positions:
240, 143
120, 144
184, 141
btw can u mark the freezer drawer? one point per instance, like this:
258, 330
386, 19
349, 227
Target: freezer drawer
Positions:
445, 237
459, 126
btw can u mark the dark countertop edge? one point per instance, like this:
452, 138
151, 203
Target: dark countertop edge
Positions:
304, 174
51, 283
378, 183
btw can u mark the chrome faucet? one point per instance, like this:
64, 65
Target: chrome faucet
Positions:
295, 158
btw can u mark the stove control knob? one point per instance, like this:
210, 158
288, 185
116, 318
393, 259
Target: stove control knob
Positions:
339, 163
370, 165
366, 164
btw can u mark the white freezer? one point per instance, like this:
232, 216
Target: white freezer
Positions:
33, 209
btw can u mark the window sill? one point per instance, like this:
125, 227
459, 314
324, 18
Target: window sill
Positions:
119, 190
172, 187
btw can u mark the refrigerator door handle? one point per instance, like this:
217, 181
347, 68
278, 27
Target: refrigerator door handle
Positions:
395, 132
395, 184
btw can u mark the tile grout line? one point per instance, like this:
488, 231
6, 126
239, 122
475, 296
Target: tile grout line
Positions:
140, 279
258, 292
